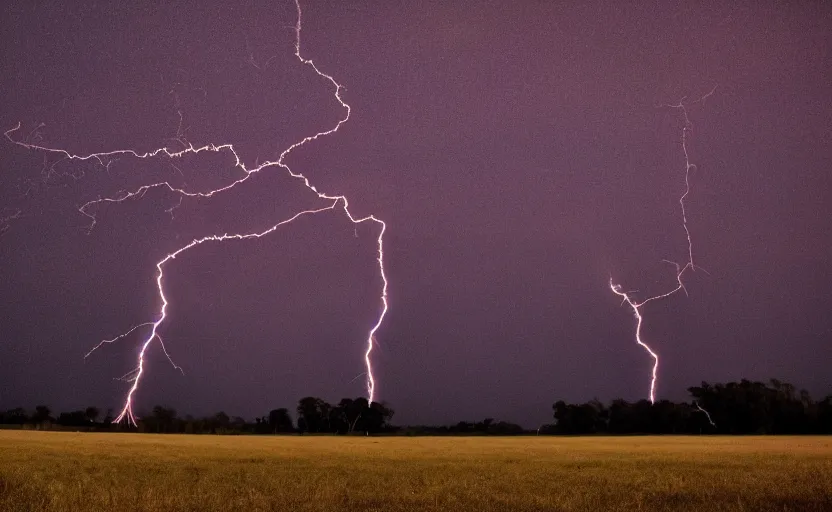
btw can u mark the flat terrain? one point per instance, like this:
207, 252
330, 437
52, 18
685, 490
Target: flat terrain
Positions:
54, 471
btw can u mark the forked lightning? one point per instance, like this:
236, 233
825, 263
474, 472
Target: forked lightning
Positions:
106, 158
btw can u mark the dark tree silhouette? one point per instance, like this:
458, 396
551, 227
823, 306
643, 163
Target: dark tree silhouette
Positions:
349, 412
220, 422
743, 407
42, 414
377, 417
73, 419
91, 414
280, 421
315, 414
162, 420
16, 416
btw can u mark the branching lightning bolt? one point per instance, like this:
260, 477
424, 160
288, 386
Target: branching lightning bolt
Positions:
106, 158
680, 269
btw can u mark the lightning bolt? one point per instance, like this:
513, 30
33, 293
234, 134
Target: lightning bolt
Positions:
680, 269
706, 413
107, 158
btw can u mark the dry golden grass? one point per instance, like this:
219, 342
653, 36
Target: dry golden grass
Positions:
124, 472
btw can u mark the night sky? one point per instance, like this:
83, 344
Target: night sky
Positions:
517, 151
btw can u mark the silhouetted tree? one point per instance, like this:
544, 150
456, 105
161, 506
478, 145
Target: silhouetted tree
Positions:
16, 416
622, 418
73, 419
42, 415
220, 423
238, 424
376, 417
747, 407
280, 421
504, 428
824, 416
91, 414
743, 407
162, 420
587, 418
348, 413
547, 429
315, 414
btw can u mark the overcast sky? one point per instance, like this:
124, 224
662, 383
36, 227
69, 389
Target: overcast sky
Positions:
518, 152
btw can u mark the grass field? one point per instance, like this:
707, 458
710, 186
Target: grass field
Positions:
54, 471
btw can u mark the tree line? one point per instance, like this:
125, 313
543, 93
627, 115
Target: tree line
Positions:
314, 415
743, 407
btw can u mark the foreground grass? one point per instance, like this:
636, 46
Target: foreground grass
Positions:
55, 471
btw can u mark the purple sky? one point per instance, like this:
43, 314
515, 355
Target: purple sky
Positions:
516, 152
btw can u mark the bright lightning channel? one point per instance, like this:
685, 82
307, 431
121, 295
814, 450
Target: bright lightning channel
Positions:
106, 158
680, 269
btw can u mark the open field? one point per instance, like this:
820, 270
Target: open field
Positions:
82, 471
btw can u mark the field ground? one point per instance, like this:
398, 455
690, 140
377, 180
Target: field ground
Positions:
61, 471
